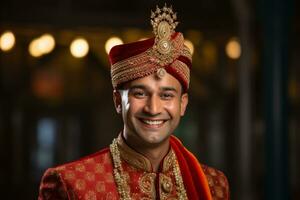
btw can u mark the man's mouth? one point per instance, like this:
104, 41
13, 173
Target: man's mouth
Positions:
152, 122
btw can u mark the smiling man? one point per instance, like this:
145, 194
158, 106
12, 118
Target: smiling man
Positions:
150, 80
151, 108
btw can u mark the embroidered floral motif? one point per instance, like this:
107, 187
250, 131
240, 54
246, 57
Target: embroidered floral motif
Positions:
100, 186
80, 184
89, 176
147, 184
69, 175
99, 168
80, 167
90, 195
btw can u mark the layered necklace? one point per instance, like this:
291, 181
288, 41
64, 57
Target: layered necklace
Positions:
119, 176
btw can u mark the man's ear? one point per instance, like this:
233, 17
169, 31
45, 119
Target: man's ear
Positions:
117, 101
184, 103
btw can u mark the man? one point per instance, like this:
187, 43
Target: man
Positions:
150, 80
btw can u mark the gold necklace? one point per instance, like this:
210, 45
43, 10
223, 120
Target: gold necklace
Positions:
120, 179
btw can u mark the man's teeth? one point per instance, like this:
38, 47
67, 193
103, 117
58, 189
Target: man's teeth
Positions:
153, 122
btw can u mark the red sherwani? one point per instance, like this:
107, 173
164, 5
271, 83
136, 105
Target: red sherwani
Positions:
91, 178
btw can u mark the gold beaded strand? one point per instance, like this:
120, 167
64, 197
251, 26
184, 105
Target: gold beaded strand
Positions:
120, 179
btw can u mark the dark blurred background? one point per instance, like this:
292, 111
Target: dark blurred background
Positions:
244, 111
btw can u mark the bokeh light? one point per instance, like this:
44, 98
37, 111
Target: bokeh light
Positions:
79, 48
111, 42
7, 41
46, 43
233, 48
34, 48
41, 45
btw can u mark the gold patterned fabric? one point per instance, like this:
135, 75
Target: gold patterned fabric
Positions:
217, 182
91, 178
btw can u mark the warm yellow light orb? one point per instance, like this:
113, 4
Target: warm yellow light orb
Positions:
190, 45
42, 45
34, 48
46, 43
233, 48
111, 42
79, 47
7, 41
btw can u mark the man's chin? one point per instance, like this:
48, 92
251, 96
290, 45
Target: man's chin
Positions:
155, 140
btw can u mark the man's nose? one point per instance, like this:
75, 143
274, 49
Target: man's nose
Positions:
154, 105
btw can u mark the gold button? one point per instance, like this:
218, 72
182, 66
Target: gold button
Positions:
166, 186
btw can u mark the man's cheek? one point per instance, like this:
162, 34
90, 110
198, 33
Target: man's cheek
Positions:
172, 108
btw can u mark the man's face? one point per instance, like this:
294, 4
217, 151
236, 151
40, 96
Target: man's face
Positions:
151, 108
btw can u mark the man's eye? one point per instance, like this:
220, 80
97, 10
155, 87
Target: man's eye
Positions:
139, 94
167, 95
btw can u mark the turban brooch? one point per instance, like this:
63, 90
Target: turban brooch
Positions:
164, 53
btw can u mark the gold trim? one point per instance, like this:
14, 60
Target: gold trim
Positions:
140, 161
148, 62
121, 179
132, 157
178, 179
182, 69
147, 184
166, 185
164, 23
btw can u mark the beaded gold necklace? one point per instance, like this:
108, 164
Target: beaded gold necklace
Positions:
123, 188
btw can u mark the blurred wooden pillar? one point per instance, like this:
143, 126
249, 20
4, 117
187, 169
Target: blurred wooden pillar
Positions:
276, 25
245, 134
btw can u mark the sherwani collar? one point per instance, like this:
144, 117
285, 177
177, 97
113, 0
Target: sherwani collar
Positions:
140, 161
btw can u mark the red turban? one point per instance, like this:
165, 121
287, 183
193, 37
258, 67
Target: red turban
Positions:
139, 59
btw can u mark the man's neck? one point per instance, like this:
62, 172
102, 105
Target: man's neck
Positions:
155, 154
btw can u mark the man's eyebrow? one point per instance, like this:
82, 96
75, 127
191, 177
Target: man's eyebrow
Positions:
168, 89
144, 87
137, 87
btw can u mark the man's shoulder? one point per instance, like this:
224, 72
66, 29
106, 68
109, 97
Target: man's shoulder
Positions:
217, 182
74, 178
98, 162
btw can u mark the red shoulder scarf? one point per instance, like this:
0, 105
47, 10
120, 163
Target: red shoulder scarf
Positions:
192, 174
